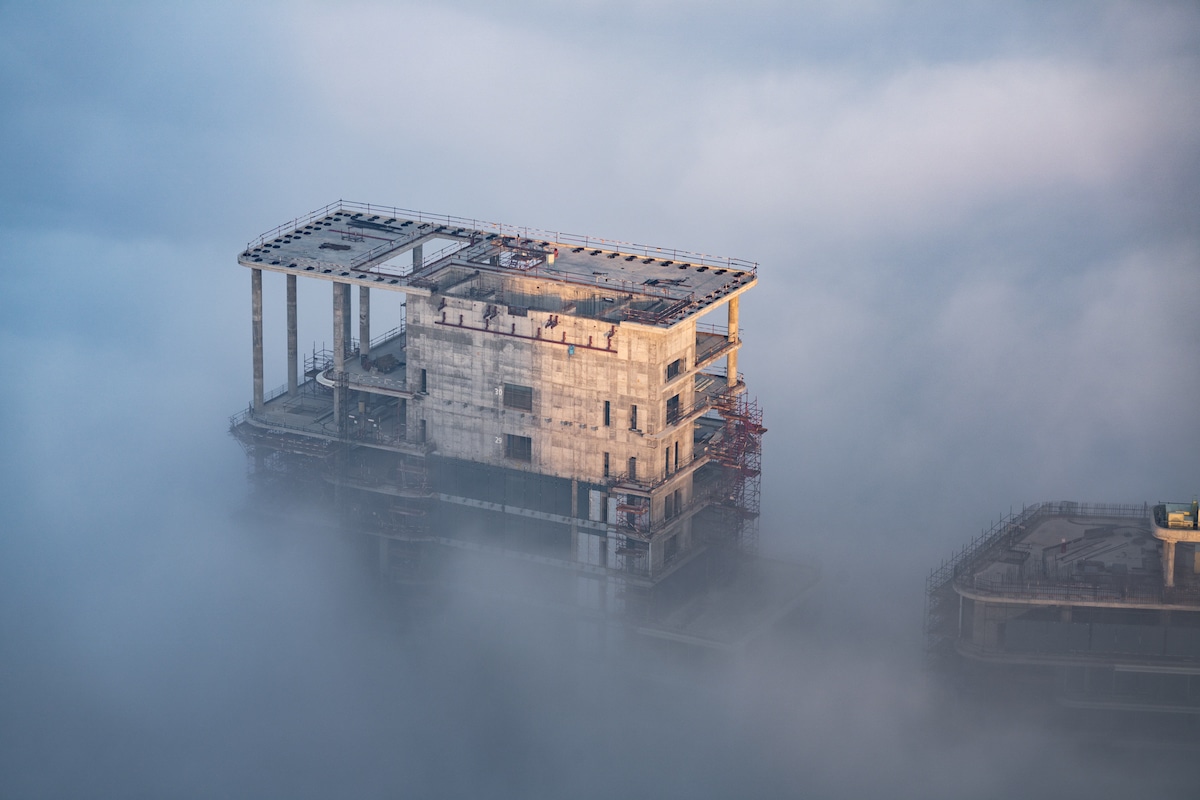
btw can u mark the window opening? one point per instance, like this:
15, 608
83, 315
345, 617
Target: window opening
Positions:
519, 397
673, 410
518, 447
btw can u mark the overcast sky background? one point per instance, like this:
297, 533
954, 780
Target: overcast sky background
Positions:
979, 254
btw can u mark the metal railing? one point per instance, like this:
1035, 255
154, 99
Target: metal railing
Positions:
1009, 528
532, 234
1130, 592
388, 336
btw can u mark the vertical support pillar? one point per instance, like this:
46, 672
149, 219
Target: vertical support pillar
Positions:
418, 252
364, 320
731, 360
347, 323
1168, 563
293, 349
575, 546
340, 292
256, 336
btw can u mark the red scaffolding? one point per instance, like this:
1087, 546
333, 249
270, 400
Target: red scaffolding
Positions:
739, 449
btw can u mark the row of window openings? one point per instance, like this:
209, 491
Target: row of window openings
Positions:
672, 413
521, 398
632, 463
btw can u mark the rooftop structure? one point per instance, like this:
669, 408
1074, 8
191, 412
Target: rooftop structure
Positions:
544, 396
1088, 603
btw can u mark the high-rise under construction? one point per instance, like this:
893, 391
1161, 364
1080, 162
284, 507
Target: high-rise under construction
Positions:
545, 397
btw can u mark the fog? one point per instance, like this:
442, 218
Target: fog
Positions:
979, 274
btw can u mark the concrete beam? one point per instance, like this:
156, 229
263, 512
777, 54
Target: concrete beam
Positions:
256, 334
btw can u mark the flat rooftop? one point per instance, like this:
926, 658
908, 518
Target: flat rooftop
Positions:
1077, 549
1088, 559
364, 244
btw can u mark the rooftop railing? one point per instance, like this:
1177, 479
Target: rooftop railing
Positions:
1107, 588
1011, 528
533, 234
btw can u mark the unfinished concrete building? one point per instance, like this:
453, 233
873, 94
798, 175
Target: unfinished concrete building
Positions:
544, 396
1090, 606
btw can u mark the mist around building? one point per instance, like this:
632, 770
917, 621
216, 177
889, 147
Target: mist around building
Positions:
969, 337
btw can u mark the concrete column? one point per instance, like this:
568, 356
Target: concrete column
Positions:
340, 292
1168, 563
418, 256
256, 325
292, 347
347, 322
364, 320
731, 360
574, 514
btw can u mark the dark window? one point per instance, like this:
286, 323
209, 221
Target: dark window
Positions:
607, 413
667, 466
633, 418
518, 447
520, 397
633, 469
674, 368
424, 382
606, 465
673, 410
677, 455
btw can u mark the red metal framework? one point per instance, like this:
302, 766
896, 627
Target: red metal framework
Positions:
739, 449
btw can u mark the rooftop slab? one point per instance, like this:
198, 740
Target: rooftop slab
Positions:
363, 244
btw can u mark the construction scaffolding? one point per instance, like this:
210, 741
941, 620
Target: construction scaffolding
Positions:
739, 450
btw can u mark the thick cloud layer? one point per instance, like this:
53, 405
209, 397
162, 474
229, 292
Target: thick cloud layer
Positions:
980, 269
